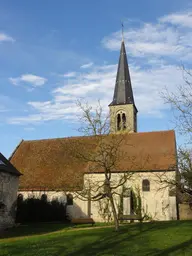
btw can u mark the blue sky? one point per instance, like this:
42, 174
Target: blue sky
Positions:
54, 52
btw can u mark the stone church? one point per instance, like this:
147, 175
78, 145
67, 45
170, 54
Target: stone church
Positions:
48, 167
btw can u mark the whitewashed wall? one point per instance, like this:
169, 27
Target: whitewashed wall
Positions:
156, 203
77, 210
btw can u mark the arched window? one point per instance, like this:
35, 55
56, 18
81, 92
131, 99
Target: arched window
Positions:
118, 122
69, 199
146, 185
44, 197
124, 121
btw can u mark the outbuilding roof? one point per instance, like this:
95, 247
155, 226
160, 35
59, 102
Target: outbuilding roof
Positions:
6, 166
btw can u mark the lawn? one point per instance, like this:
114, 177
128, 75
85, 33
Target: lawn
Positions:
147, 239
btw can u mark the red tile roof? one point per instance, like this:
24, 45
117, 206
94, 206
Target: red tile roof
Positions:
51, 164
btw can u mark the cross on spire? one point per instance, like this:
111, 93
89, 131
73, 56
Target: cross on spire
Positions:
122, 31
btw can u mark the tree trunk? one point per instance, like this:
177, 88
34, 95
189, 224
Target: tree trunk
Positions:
89, 204
116, 221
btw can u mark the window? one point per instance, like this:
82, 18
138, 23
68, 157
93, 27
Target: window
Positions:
124, 121
69, 199
121, 121
118, 122
2, 207
146, 185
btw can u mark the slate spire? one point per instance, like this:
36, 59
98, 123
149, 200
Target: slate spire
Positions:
123, 93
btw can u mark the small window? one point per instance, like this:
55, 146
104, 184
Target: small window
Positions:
2, 205
146, 185
69, 199
118, 122
124, 121
44, 197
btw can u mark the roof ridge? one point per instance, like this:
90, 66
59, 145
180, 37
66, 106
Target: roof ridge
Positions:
91, 136
70, 137
172, 130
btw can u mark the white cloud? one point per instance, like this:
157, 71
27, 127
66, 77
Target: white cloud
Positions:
183, 19
99, 84
161, 47
162, 38
70, 74
25, 120
88, 65
53, 111
5, 38
29, 129
34, 80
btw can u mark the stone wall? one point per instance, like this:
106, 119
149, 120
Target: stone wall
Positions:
8, 198
185, 212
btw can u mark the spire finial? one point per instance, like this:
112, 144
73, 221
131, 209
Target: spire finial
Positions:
122, 30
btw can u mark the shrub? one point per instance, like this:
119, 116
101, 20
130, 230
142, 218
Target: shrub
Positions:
40, 210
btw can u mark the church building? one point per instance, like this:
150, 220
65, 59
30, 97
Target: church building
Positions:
48, 167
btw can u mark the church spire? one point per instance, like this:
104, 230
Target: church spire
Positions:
123, 93
123, 112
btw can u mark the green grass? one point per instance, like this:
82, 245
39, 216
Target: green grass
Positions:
29, 229
148, 239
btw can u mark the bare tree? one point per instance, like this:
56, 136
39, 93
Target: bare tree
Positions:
181, 105
185, 171
103, 158
183, 178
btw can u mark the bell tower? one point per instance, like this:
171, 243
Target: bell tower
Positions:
123, 112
